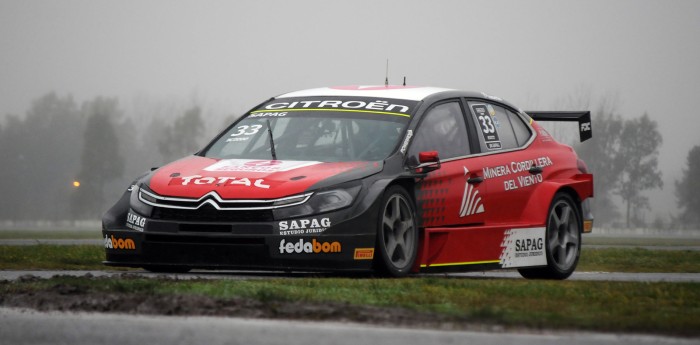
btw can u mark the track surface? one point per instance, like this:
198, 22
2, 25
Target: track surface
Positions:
29, 327
590, 276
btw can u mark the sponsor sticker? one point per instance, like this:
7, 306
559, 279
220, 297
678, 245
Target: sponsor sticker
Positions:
487, 126
303, 226
259, 166
523, 247
135, 222
332, 104
471, 201
224, 181
119, 243
309, 247
364, 253
404, 146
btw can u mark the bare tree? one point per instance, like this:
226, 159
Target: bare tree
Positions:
183, 136
688, 190
601, 154
101, 160
639, 150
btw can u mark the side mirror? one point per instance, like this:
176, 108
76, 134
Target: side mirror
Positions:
427, 158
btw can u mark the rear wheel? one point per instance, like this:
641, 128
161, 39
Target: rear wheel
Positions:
563, 241
397, 233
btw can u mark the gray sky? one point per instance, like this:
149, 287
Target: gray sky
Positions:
233, 54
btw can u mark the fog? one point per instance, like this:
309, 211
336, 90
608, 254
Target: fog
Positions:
160, 58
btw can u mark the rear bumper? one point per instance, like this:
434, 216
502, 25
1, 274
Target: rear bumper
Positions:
587, 215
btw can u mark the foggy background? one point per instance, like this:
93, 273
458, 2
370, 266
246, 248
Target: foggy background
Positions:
146, 82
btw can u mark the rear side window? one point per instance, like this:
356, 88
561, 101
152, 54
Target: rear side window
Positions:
522, 132
499, 129
443, 130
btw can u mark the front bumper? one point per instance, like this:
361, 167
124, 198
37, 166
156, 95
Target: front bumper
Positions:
346, 244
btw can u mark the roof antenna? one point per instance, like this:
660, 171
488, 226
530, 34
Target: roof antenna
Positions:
386, 81
404, 80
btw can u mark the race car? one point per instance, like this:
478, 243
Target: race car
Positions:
386, 179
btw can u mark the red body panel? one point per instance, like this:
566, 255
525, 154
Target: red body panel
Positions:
463, 227
195, 176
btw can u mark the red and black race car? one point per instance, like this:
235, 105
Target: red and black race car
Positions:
392, 179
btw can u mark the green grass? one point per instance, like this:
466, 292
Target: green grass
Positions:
52, 257
640, 241
660, 308
639, 260
90, 257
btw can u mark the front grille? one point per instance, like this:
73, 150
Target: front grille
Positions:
208, 213
160, 238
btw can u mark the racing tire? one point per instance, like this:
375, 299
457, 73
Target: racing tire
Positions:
562, 241
397, 233
166, 269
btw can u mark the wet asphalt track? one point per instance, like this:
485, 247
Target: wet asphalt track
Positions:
200, 274
30, 327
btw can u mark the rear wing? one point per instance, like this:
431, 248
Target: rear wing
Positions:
582, 117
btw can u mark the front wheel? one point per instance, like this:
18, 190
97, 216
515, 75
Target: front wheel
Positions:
563, 238
397, 233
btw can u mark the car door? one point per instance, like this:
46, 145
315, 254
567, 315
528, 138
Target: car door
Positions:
453, 194
509, 170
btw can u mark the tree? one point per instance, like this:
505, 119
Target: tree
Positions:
182, 137
39, 153
688, 189
101, 161
601, 154
639, 149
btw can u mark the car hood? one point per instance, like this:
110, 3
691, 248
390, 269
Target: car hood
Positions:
194, 177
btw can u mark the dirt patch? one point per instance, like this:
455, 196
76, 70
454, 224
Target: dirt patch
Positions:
73, 298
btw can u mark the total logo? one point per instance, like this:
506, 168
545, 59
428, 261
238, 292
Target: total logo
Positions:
119, 243
313, 247
219, 181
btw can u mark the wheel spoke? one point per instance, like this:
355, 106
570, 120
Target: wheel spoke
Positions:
570, 239
553, 240
389, 222
395, 208
390, 246
565, 211
561, 254
555, 217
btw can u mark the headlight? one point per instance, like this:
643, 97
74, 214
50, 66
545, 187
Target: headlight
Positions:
320, 202
138, 205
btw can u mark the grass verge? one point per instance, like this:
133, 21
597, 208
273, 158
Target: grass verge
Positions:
90, 257
52, 257
656, 308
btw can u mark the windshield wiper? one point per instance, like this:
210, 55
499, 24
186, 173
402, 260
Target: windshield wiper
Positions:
272, 141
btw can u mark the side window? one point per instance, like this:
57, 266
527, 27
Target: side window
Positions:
441, 130
494, 127
522, 132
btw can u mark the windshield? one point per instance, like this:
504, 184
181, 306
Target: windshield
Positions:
324, 129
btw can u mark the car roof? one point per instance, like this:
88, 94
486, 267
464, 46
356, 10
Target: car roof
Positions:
415, 93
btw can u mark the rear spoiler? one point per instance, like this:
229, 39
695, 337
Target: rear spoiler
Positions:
582, 117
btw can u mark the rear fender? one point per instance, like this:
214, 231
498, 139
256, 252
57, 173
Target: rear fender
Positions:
536, 213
